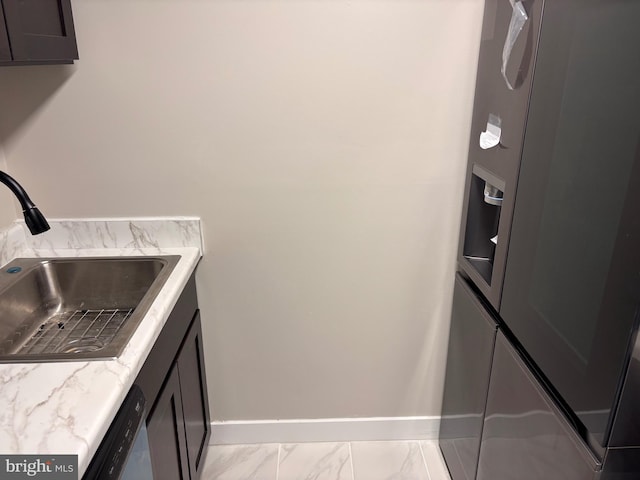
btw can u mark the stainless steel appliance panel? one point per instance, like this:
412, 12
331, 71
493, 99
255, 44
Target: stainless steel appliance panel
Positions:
621, 464
138, 465
525, 436
626, 426
124, 452
505, 70
571, 293
471, 341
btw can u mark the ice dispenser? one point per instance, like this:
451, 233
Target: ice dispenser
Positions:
492, 194
483, 219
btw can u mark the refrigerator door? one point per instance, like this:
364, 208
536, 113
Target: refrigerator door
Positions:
503, 83
471, 339
525, 437
571, 293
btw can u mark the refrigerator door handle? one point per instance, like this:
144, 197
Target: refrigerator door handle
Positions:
519, 18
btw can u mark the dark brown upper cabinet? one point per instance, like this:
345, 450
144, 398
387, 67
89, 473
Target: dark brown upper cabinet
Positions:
37, 32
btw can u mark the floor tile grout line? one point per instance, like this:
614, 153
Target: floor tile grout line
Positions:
278, 462
424, 460
429, 458
353, 470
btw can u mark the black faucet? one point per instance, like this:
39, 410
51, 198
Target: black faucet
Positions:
32, 216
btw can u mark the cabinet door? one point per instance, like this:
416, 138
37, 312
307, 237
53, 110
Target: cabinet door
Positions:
165, 426
525, 436
5, 51
471, 340
40, 30
195, 404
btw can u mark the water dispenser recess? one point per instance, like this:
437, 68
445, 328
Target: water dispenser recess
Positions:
483, 219
492, 194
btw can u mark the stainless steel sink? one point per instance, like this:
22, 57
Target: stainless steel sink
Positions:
57, 309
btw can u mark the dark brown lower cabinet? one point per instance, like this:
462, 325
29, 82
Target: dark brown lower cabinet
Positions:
178, 424
173, 381
193, 388
165, 427
5, 48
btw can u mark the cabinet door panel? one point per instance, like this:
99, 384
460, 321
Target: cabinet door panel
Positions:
5, 51
194, 396
40, 30
165, 426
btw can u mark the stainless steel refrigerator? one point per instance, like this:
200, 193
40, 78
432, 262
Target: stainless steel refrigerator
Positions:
543, 368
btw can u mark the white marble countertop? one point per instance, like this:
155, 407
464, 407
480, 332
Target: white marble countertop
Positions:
67, 407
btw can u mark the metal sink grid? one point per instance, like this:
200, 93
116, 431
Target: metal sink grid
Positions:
76, 331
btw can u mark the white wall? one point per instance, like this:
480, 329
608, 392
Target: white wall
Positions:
322, 142
8, 206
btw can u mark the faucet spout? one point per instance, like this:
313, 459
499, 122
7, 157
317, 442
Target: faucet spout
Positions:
32, 216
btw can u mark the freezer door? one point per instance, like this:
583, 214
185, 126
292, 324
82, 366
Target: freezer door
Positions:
525, 436
471, 340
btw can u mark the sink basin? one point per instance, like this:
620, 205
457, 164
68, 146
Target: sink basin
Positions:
56, 309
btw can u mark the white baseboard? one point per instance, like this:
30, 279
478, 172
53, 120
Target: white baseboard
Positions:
324, 430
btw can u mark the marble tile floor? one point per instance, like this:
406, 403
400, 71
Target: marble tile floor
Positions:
388, 460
